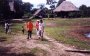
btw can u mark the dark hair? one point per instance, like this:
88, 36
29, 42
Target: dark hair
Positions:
30, 19
41, 21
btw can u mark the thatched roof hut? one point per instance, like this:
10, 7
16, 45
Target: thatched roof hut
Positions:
40, 13
37, 12
66, 6
66, 9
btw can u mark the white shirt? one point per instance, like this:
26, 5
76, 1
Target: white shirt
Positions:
41, 26
6, 25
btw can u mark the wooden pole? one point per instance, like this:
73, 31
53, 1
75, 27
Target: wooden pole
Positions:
80, 51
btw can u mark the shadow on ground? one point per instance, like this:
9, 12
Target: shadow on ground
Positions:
5, 51
2, 39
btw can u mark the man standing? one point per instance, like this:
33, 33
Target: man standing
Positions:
29, 26
41, 28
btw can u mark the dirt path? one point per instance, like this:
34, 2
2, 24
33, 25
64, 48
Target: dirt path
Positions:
50, 45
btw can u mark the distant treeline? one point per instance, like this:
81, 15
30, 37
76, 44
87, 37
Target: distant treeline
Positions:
6, 13
84, 11
20, 8
24, 9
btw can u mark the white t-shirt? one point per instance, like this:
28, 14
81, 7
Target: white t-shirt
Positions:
41, 26
6, 25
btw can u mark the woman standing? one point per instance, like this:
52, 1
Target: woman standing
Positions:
37, 27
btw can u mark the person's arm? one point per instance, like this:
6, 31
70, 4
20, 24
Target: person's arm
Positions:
27, 26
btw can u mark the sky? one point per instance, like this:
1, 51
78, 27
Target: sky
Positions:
77, 3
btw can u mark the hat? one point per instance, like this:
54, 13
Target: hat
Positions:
37, 20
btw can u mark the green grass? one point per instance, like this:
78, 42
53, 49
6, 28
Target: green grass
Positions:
60, 31
8, 38
71, 22
17, 27
4, 37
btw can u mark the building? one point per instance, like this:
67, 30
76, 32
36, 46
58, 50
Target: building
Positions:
66, 9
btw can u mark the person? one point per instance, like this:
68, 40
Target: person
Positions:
6, 28
23, 30
37, 27
29, 26
41, 28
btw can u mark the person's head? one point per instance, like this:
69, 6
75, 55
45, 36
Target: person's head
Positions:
30, 20
41, 21
38, 21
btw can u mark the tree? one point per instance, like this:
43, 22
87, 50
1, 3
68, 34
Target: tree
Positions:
4, 9
27, 7
6, 13
83, 10
18, 8
41, 6
52, 6
83, 7
88, 11
59, 2
49, 2
45, 12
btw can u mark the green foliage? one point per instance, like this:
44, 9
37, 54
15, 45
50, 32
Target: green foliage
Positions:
27, 7
84, 11
41, 6
5, 11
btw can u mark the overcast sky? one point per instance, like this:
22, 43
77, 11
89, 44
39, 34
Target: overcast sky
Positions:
77, 3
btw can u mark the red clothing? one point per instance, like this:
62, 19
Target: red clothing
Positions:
29, 26
37, 25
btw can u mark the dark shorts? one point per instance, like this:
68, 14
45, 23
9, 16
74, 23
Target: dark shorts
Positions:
29, 34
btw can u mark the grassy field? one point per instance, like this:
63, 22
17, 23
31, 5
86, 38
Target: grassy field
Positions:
7, 38
4, 37
60, 29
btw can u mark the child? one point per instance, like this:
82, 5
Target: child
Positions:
6, 28
23, 30
37, 27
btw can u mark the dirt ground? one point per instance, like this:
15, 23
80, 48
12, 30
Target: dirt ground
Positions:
19, 43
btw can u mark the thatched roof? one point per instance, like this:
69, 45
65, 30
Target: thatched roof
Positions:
66, 6
38, 11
